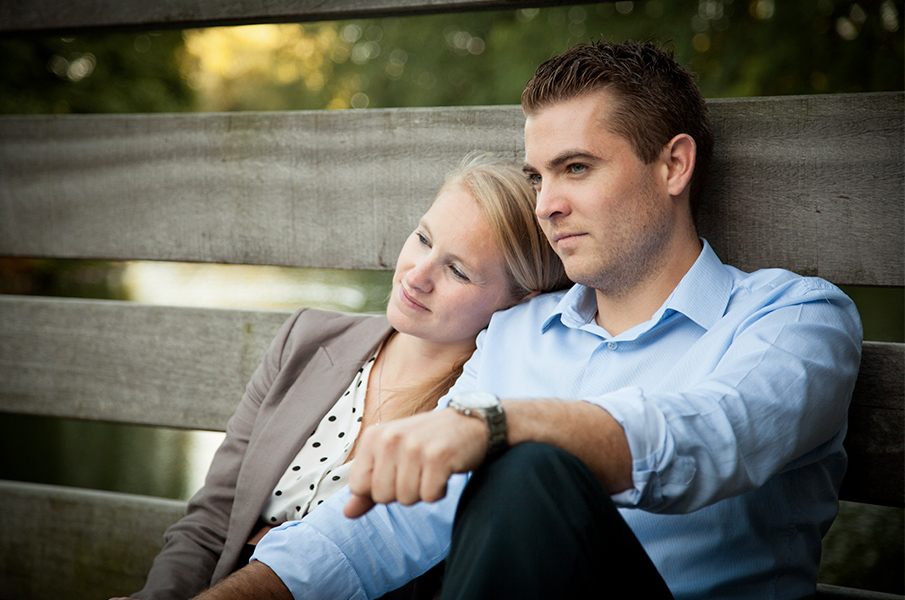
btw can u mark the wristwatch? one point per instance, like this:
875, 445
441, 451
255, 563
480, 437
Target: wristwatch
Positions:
485, 405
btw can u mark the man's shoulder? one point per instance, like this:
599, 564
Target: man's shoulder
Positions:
537, 309
779, 281
768, 289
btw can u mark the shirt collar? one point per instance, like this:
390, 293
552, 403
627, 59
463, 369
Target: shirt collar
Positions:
704, 292
702, 296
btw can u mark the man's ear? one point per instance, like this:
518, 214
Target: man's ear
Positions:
679, 155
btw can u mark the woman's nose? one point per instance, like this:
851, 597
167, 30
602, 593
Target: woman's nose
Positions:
420, 276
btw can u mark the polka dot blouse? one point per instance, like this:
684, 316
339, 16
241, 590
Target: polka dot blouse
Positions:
320, 468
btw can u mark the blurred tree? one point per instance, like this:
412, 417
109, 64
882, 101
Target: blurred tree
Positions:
112, 73
739, 49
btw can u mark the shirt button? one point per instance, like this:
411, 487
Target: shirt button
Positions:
612, 345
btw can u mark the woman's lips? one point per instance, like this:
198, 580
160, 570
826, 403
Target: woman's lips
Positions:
409, 301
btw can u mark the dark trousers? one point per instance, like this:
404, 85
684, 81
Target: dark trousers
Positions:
536, 523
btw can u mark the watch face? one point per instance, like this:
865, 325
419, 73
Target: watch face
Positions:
476, 400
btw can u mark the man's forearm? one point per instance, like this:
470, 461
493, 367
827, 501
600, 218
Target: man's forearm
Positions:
582, 429
411, 459
253, 582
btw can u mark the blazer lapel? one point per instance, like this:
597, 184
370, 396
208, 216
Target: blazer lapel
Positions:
280, 434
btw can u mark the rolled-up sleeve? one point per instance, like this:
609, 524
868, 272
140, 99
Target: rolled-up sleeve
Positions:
777, 395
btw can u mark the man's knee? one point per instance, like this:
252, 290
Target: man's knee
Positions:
533, 481
534, 467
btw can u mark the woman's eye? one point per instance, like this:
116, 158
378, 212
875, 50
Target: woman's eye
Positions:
458, 274
423, 239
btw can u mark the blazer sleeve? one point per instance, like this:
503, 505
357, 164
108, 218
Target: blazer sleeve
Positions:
192, 546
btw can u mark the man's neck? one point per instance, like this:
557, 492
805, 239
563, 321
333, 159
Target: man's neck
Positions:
617, 313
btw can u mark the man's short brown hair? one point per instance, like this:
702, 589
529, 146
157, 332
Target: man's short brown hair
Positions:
656, 98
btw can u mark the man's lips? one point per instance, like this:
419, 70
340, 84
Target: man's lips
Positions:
408, 300
561, 239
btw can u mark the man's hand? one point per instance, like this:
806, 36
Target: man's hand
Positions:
411, 459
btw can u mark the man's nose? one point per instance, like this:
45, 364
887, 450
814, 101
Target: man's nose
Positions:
551, 202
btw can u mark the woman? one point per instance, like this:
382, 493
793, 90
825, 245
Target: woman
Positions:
327, 376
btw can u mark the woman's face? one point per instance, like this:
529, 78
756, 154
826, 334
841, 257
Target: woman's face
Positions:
450, 275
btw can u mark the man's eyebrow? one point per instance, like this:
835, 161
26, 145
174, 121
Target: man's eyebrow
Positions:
564, 158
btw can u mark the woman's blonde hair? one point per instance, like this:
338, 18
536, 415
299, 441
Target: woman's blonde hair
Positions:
504, 195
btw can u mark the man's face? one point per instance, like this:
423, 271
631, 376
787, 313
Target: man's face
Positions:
606, 213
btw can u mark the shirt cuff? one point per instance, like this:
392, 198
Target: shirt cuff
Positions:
658, 472
329, 577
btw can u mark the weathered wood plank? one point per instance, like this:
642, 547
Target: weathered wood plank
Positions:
187, 368
833, 592
876, 437
43, 16
798, 182
795, 179
118, 362
59, 542
102, 543
328, 189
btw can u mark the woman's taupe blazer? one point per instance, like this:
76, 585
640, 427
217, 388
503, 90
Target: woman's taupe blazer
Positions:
309, 364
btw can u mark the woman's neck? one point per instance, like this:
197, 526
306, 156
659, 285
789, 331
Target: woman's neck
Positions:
408, 361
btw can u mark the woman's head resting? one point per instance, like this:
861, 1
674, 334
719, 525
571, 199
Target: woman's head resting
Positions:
478, 249
503, 193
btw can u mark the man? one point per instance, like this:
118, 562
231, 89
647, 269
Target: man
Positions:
691, 416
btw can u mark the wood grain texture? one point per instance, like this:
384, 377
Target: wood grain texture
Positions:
187, 368
128, 363
328, 189
796, 180
814, 184
56, 16
876, 438
102, 543
60, 542
834, 592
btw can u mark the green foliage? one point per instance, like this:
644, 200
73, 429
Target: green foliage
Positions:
739, 48
113, 73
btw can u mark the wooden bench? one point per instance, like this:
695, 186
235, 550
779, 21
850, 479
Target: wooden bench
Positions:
813, 184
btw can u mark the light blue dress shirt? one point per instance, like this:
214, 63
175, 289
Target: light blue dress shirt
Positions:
733, 397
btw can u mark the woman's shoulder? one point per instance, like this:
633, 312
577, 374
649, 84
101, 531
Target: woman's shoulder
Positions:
312, 325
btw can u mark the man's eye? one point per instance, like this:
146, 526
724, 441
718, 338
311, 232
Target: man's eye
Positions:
534, 179
577, 168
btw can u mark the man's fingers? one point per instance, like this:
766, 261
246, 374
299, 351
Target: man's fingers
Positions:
411, 459
408, 476
356, 506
